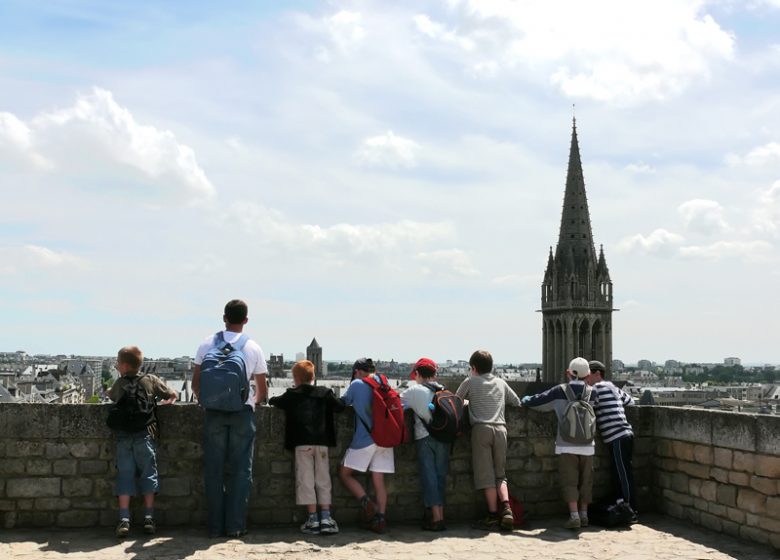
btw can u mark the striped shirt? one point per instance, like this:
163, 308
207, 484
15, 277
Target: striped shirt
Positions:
488, 396
610, 414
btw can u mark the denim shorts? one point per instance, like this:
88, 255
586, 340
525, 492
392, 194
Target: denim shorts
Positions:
136, 457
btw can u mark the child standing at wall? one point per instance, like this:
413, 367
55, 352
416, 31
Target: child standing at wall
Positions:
487, 397
134, 420
574, 441
309, 431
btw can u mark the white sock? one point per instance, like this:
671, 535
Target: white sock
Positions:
574, 515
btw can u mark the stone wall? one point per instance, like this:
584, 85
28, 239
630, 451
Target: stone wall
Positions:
57, 468
720, 470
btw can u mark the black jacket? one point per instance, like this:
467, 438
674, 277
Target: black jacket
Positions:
309, 410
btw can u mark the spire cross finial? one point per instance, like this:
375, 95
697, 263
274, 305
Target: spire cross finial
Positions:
573, 116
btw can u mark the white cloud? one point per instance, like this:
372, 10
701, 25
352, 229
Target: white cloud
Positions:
660, 242
36, 258
759, 156
751, 251
766, 217
98, 137
388, 150
16, 142
613, 50
703, 216
640, 168
345, 29
447, 261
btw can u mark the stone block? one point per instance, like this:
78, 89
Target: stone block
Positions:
703, 454
282, 467
730, 528
52, 504
664, 480
519, 448
9, 520
38, 466
33, 487
24, 448
7, 505
64, 467
682, 450
178, 486
77, 518
12, 466
82, 503
663, 448
734, 430
764, 485
722, 457
680, 482
84, 421
767, 429
773, 507
56, 450
30, 421
694, 487
718, 510
709, 490
736, 515
72, 487
541, 425
694, 469
711, 522
85, 449
25, 504
669, 465
769, 524
721, 475
683, 424
35, 519
739, 478
544, 448
727, 495
94, 466
754, 534
701, 504
745, 462
751, 501
768, 466
678, 498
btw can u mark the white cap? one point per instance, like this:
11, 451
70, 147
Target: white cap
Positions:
580, 368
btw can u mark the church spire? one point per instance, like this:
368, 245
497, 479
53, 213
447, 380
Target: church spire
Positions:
575, 235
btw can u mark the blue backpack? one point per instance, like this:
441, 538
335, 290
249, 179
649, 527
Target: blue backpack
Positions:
224, 384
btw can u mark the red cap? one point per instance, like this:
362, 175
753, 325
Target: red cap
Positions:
423, 362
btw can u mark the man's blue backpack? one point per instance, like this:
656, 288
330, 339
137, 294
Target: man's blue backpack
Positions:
224, 384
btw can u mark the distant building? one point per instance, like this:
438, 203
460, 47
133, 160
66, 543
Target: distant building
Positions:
618, 365
299, 356
646, 365
577, 289
314, 355
728, 362
276, 365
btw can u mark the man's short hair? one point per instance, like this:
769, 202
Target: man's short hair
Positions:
236, 311
363, 364
130, 356
596, 366
482, 361
303, 371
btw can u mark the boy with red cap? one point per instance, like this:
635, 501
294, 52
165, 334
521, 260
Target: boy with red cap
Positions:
433, 455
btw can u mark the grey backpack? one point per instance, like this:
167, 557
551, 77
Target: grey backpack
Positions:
578, 423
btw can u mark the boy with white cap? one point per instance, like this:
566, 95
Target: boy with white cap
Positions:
574, 443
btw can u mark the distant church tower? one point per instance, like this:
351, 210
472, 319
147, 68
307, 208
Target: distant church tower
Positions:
314, 355
577, 291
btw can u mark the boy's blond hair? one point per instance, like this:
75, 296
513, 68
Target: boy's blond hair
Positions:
131, 356
303, 371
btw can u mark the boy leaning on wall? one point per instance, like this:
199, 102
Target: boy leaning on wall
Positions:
309, 431
134, 420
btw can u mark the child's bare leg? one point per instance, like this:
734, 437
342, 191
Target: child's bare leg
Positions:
378, 480
491, 497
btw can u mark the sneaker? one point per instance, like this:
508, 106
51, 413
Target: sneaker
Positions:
369, 512
329, 526
583, 520
434, 526
236, 534
122, 529
507, 519
488, 523
573, 523
311, 527
378, 524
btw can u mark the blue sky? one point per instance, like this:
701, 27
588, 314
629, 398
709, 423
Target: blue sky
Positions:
384, 176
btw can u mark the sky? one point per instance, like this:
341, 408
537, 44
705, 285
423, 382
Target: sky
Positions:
386, 176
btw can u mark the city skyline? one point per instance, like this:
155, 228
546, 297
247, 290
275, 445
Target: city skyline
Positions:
387, 178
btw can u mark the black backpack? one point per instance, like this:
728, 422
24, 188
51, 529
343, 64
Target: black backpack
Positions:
449, 417
134, 410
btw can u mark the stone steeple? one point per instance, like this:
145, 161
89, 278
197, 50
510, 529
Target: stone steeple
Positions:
577, 289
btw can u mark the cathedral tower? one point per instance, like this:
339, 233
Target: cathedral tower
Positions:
577, 290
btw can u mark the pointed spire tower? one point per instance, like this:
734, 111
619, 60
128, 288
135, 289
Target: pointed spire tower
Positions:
314, 355
577, 290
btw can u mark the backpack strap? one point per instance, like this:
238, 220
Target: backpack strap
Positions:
570, 396
435, 387
220, 342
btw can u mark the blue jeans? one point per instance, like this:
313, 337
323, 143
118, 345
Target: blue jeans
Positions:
228, 444
433, 459
136, 456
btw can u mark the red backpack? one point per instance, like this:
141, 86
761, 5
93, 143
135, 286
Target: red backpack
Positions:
389, 429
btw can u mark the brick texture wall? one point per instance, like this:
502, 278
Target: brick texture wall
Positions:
57, 468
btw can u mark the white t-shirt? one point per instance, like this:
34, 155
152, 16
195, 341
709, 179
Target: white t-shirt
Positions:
253, 354
418, 397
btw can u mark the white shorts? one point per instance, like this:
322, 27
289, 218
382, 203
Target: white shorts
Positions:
372, 458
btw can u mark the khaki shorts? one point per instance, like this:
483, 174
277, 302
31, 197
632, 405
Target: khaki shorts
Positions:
488, 455
312, 475
576, 475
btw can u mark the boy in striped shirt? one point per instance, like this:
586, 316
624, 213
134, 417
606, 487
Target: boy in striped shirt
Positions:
615, 431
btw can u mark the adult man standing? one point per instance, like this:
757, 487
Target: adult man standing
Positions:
615, 431
229, 436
